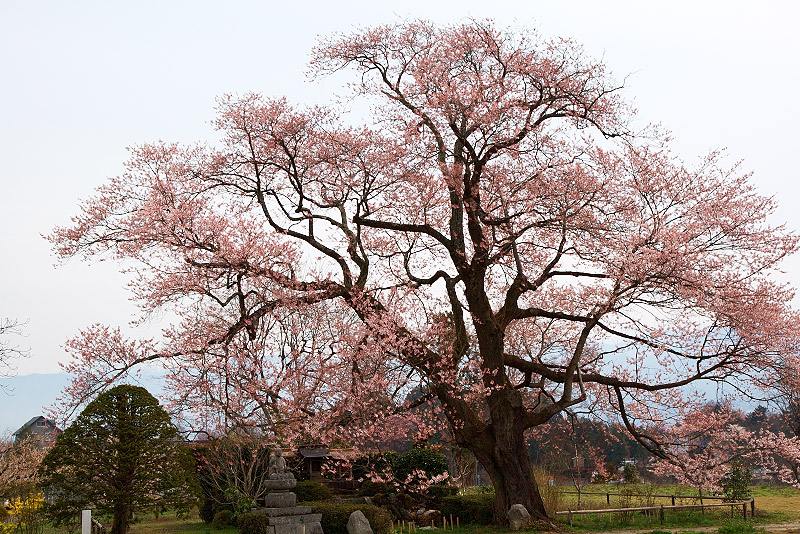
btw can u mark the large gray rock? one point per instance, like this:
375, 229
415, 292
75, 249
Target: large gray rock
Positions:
518, 517
358, 524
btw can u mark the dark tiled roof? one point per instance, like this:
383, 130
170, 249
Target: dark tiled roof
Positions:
313, 452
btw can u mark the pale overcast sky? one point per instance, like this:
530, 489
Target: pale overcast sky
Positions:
82, 80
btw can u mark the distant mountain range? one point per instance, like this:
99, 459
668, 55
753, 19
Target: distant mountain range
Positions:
26, 396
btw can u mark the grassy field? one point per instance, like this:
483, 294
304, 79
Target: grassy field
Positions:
171, 525
166, 525
773, 505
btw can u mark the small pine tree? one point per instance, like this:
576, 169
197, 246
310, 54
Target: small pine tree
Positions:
630, 474
121, 456
736, 484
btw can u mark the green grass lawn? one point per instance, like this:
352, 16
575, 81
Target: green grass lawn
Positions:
166, 525
773, 505
173, 525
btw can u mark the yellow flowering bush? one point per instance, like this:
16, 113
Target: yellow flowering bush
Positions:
25, 516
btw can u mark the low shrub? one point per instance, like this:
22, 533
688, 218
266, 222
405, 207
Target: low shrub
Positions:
427, 460
221, 519
312, 491
475, 508
336, 514
27, 514
435, 493
253, 524
369, 488
207, 510
402, 500
397, 504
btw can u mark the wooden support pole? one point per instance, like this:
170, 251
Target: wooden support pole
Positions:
661, 514
744, 510
451, 521
608, 498
752, 507
673, 500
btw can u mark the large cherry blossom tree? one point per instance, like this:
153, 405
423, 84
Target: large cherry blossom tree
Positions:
499, 238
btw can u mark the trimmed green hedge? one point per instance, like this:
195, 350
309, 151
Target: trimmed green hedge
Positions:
222, 519
477, 509
336, 514
435, 493
312, 491
253, 524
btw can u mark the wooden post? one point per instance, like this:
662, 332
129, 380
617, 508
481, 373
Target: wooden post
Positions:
731, 511
608, 498
661, 514
744, 510
451, 521
391, 521
569, 514
752, 507
458, 522
673, 500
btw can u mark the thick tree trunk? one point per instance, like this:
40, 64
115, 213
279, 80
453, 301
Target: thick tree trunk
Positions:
122, 516
512, 478
503, 453
500, 448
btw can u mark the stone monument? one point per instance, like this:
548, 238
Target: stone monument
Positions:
280, 504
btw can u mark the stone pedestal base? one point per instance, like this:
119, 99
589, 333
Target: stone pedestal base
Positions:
282, 499
292, 520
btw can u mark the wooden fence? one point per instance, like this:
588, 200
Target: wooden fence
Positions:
608, 495
662, 509
97, 527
